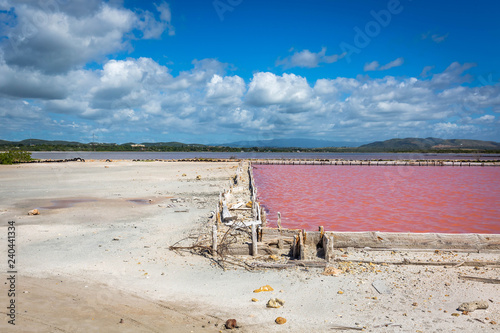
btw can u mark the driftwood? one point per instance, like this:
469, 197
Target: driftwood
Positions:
479, 279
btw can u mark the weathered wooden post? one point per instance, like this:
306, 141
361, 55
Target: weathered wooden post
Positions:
294, 247
301, 247
214, 239
254, 240
279, 220
328, 247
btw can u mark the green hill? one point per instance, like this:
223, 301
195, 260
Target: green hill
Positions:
410, 144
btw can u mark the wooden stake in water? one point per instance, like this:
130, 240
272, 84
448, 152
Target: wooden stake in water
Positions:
279, 220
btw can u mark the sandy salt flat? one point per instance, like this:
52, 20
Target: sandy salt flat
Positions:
97, 259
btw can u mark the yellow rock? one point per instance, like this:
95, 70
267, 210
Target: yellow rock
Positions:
340, 292
280, 320
332, 271
264, 288
255, 300
34, 212
249, 204
275, 303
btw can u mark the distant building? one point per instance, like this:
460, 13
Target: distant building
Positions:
134, 145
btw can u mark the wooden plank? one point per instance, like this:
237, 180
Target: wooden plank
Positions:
246, 249
416, 240
268, 234
312, 238
387, 240
425, 263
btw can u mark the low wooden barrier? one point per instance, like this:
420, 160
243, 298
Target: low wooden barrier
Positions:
302, 242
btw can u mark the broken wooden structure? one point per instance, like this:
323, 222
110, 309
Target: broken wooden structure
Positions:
309, 245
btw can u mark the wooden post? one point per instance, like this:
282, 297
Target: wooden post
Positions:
279, 220
263, 216
214, 239
328, 247
294, 247
254, 240
301, 247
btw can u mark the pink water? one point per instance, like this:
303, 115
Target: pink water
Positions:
381, 198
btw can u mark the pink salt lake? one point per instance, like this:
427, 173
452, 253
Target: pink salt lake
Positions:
382, 198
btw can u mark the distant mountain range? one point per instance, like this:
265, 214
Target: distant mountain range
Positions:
291, 143
431, 143
392, 145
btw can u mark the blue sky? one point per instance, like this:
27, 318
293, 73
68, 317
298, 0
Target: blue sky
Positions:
230, 70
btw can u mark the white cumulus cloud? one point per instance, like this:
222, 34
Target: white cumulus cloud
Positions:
308, 59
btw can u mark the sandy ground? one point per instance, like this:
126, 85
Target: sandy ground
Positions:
97, 260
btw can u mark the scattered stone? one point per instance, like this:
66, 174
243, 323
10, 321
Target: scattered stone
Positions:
264, 288
249, 204
121, 321
340, 292
184, 175
454, 314
332, 271
275, 303
381, 287
472, 306
280, 320
34, 212
415, 304
198, 177
493, 322
255, 300
231, 323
